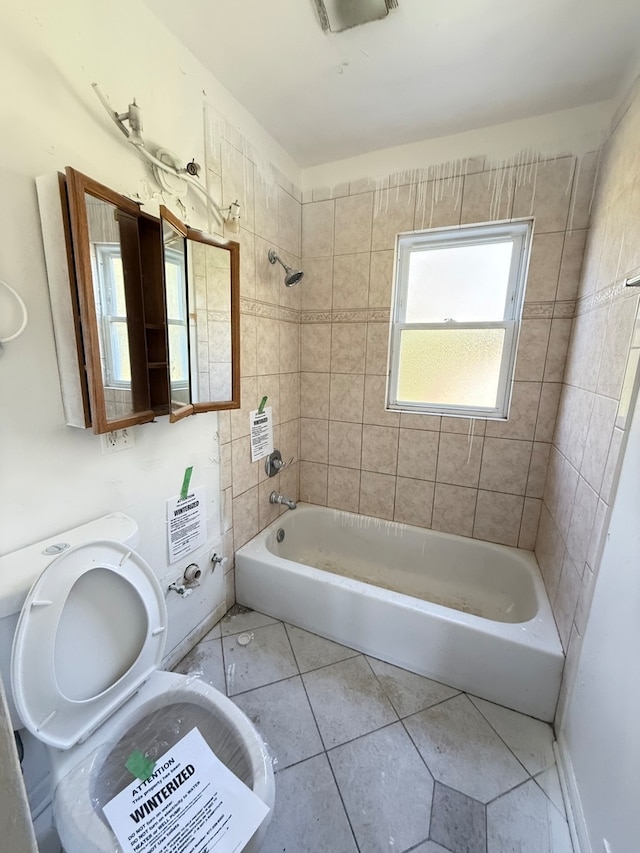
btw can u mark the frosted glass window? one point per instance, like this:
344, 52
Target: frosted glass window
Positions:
457, 307
451, 367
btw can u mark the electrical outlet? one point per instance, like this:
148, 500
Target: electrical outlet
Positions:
117, 440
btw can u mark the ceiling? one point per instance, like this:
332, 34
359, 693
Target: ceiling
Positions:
431, 68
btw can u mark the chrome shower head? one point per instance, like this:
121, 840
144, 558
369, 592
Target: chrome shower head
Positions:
291, 276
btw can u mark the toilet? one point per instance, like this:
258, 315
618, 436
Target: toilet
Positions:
83, 625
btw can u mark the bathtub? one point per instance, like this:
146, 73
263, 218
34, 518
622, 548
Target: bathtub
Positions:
468, 613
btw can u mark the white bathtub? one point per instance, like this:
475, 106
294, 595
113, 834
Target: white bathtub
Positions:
468, 613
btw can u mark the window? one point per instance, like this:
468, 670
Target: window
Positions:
455, 318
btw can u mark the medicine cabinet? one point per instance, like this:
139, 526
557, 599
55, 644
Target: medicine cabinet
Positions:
153, 310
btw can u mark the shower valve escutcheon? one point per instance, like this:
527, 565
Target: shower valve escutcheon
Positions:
274, 463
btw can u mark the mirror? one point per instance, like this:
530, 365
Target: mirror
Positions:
212, 342
155, 307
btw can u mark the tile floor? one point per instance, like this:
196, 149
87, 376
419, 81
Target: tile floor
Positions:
370, 757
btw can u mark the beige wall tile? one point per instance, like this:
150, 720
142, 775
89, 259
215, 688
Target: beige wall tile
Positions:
429, 422
237, 182
581, 525
393, 213
317, 229
414, 502
269, 387
612, 468
267, 512
557, 351
620, 325
374, 403
439, 203
289, 347
377, 494
314, 440
538, 469
351, 281
315, 347
317, 286
289, 396
345, 444
585, 597
464, 426
459, 460
550, 550
313, 483
544, 267
248, 400
245, 517
529, 524
248, 345
574, 414
289, 482
522, 413
245, 472
289, 222
268, 275
314, 395
488, 196
545, 193
598, 440
381, 279
247, 243
344, 488
581, 202
454, 509
417, 454
224, 427
505, 465
498, 517
547, 411
379, 449
290, 440
377, 348
566, 599
268, 346
354, 215
346, 397
348, 347
266, 209
585, 352
571, 266
532, 350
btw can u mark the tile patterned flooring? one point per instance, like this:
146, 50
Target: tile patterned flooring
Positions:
369, 757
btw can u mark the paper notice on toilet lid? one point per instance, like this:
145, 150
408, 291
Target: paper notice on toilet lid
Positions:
191, 804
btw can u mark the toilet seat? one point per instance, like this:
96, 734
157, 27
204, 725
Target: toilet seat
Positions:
91, 631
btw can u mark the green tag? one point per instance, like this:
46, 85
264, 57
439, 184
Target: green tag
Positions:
185, 482
262, 405
139, 765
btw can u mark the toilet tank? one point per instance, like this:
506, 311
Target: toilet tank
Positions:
20, 569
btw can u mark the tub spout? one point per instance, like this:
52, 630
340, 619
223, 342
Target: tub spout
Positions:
275, 498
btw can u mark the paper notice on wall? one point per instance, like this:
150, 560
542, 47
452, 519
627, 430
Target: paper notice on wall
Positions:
192, 802
261, 428
186, 523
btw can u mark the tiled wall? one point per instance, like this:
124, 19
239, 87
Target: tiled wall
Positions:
597, 389
270, 340
480, 479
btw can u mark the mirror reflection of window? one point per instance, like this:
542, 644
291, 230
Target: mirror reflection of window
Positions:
113, 315
177, 320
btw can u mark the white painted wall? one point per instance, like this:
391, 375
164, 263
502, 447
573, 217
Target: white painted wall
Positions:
53, 476
600, 735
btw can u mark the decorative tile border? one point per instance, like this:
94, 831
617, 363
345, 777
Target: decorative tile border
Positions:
268, 310
364, 315
601, 297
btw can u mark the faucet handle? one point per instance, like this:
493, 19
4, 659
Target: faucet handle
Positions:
274, 463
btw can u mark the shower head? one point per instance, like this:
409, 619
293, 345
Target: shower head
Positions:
291, 276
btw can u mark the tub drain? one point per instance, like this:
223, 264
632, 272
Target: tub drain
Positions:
280, 534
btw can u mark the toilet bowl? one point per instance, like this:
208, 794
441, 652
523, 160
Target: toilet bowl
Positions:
85, 679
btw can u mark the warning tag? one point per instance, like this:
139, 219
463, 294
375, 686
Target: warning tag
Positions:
186, 523
261, 428
191, 803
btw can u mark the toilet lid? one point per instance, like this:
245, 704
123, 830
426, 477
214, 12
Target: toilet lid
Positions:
91, 631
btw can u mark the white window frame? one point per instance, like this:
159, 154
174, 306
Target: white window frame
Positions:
520, 233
